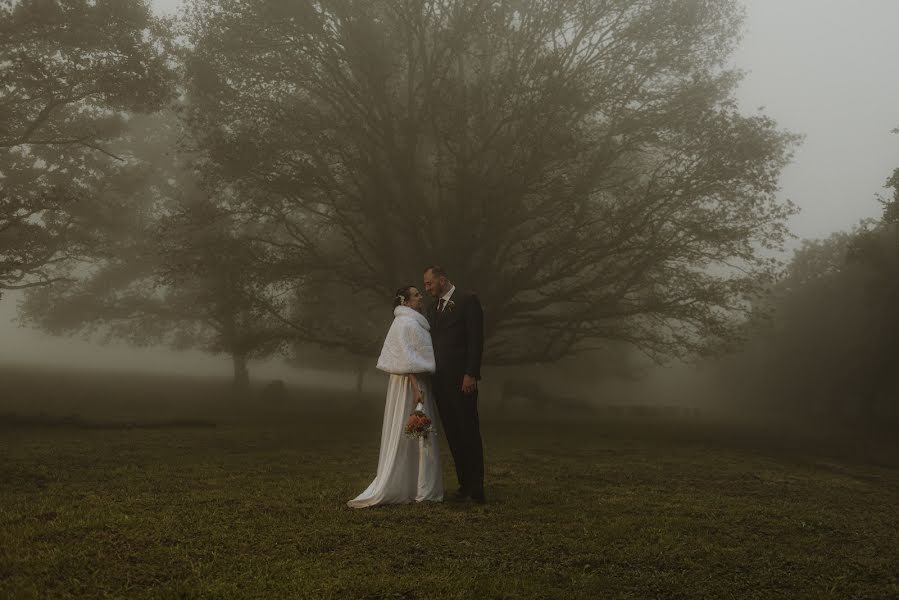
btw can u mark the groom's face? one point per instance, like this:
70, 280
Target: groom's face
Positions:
434, 286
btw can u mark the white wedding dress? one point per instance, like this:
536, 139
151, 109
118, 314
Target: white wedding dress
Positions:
408, 469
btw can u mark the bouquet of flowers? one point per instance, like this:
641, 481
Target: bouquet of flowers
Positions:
419, 425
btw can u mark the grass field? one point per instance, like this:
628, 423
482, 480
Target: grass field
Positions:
131, 488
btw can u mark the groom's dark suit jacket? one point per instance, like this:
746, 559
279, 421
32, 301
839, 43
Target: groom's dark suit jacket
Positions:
458, 336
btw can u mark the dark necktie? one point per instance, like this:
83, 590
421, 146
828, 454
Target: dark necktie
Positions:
441, 304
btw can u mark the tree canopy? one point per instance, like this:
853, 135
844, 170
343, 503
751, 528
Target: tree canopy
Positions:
73, 71
582, 165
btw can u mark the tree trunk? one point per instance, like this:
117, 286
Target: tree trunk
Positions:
360, 380
241, 373
361, 366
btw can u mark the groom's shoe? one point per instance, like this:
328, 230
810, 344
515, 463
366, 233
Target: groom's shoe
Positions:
461, 495
478, 497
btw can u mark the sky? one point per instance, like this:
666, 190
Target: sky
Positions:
826, 69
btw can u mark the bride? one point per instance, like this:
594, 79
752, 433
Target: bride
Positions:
408, 469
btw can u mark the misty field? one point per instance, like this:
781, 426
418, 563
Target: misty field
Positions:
133, 487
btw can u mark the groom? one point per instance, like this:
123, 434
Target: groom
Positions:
457, 330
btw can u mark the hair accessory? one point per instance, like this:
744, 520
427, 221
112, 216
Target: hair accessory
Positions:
402, 299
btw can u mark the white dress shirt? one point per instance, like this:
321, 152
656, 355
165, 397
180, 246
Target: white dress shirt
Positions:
446, 297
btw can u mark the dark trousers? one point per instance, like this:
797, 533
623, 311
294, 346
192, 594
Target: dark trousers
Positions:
462, 428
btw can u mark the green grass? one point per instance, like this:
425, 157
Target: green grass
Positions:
254, 506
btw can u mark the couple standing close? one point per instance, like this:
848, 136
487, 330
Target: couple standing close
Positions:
433, 359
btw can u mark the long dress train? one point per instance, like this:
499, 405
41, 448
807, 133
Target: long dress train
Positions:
408, 469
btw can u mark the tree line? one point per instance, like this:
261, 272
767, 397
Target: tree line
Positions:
825, 340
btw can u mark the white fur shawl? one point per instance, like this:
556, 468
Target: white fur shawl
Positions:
408, 347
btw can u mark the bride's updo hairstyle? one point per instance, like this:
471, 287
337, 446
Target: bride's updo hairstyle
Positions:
402, 295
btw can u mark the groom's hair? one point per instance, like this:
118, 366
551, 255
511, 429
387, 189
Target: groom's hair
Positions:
437, 271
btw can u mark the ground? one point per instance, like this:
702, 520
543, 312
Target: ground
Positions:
124, 488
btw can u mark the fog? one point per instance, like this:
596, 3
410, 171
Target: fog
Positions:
820, 68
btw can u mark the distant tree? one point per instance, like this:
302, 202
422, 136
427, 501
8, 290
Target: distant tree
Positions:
324, 323
169, 266
217, 288
72, 72
582, 165
832, 343
817, 259
891, 204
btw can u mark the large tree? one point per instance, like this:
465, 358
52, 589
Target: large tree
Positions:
582, 165
72, 72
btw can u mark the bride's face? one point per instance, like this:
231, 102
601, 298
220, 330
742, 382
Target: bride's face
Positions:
415, 300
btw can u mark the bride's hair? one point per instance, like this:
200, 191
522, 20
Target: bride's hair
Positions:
402, 295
